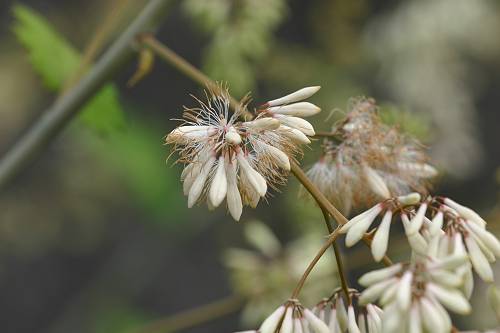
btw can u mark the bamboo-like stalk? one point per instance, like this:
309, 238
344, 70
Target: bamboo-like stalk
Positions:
56, 117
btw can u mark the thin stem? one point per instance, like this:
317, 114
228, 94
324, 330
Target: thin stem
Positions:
192, 317
325, 204
331, 239
185, 67
54, 119
96, 43
338, 258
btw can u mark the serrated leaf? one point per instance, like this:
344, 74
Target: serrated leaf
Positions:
55, 60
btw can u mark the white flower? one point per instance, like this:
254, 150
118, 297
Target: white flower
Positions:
288, 110
292, 317
414, 296
357, 227
464, 233
341, 319
226, 158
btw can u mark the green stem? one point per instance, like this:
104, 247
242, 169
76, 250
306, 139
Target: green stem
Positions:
54, 119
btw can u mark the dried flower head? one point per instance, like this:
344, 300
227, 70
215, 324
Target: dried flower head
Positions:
266, 274
362, 151
226, 158
414, 296
292, 317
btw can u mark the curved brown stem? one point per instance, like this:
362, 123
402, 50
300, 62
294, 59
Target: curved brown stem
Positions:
338, 259
328, 243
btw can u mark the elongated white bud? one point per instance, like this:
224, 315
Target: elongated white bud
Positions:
415, 323
269, 325
356, 232
183, 133
287, 324
410, 199
190, 176
352, 326
333, 325
452, 299
433, 321
404, 293
279, 157
232, 137
362, 323
465, 212
374, 320
389, 295
417, 221
479, 261
218, 188
254, 178
197, 187
298, 123
450, 262
379, 275
301, 109
263, 124
294, 134
375, 291
297, 326
486, 237
376, 182
298, 95
437, 223
381, 238
341, 313
234, 203
317, 325
445, 278
357, 218
392, 319
416, 241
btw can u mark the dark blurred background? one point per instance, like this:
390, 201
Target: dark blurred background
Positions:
95, 236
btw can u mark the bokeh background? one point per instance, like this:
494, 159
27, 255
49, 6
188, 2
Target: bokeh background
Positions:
95, 235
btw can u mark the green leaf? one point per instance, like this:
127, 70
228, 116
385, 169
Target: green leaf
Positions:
55, 60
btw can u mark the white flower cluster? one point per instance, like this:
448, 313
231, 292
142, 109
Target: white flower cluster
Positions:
414, 298
365, 160
446, 245
341, 319
292, 317
237, 160
451, 228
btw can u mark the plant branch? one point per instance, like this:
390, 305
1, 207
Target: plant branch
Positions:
196, 316
338, 258
331, 239
185, 67
323, 202
98, 40
54, 119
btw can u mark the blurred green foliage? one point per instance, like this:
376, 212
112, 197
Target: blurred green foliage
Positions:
136, 154
55, 60
241, 36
